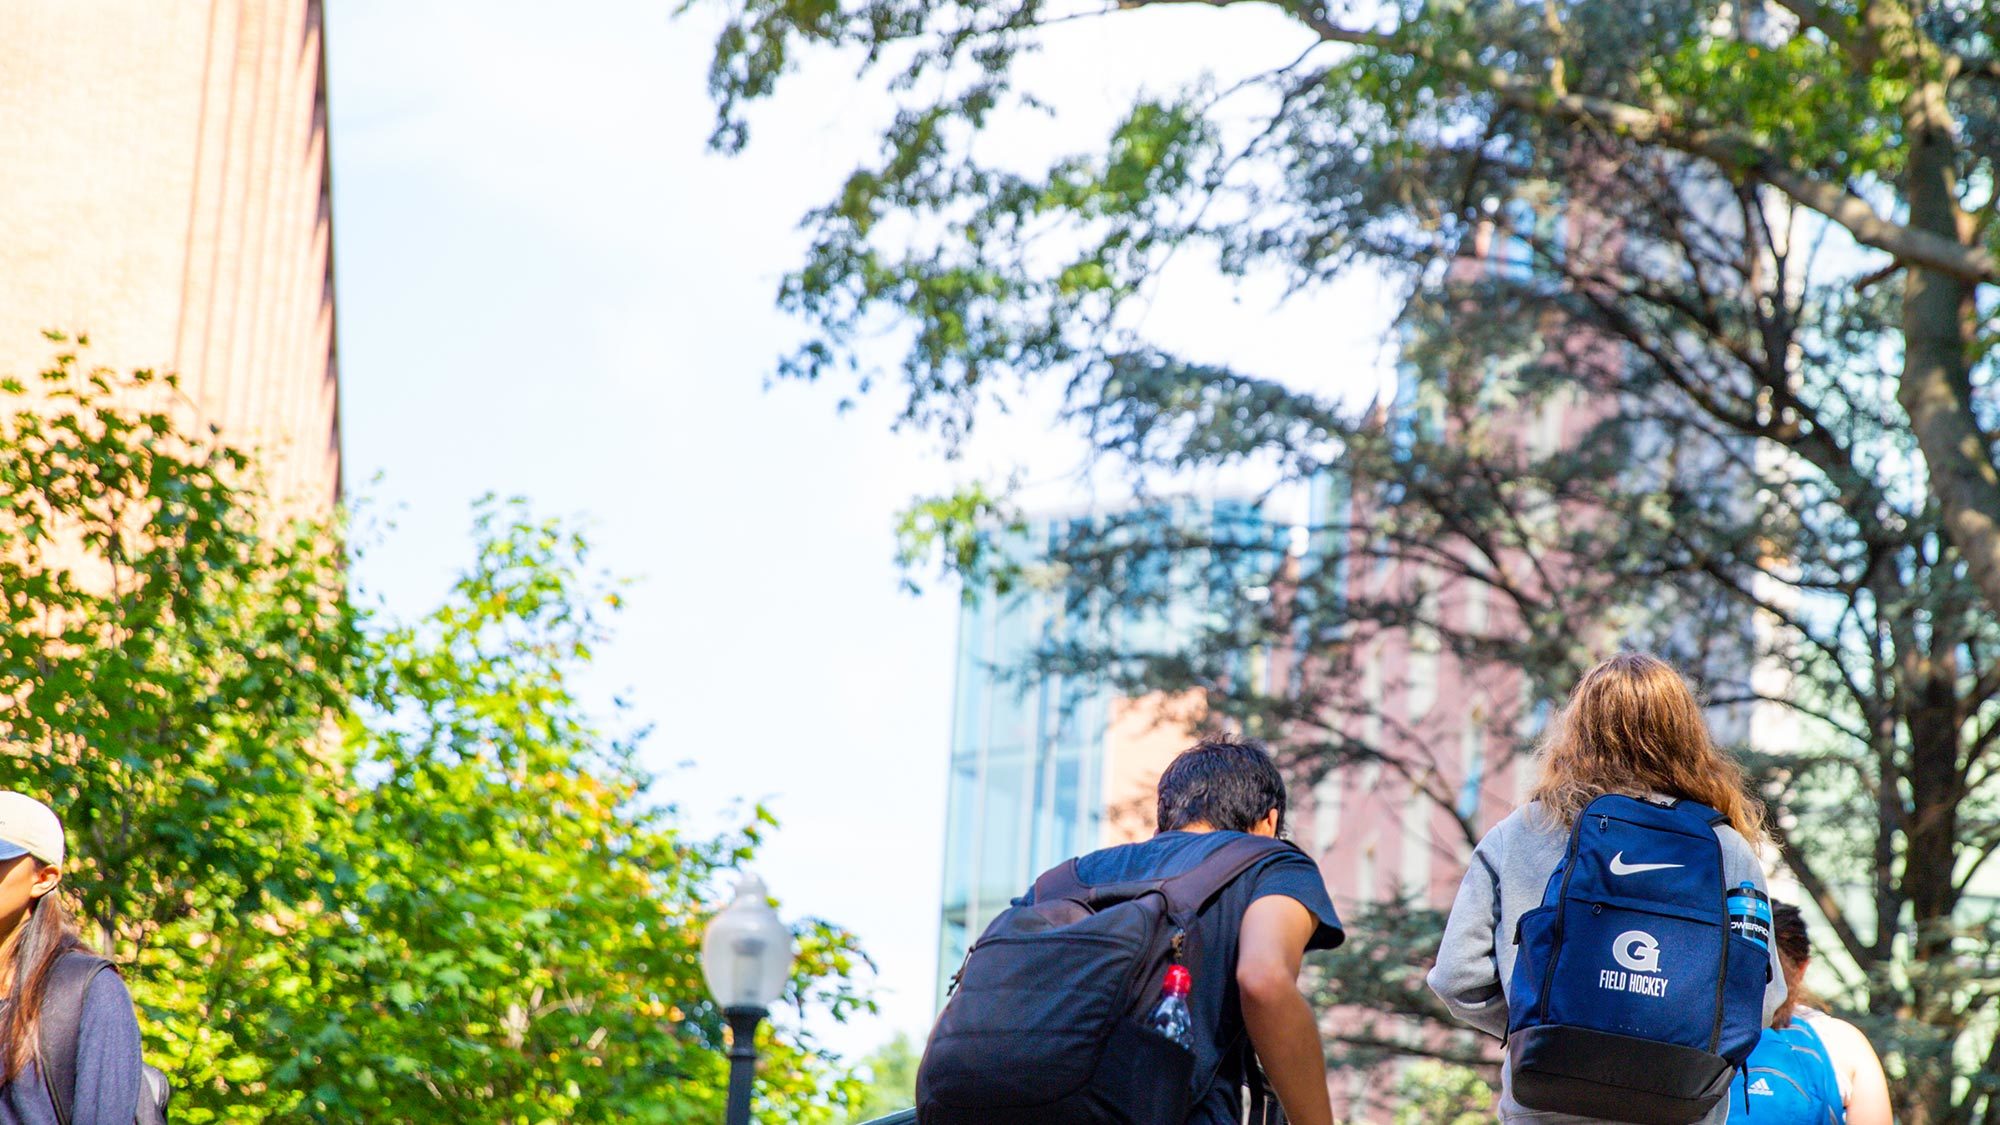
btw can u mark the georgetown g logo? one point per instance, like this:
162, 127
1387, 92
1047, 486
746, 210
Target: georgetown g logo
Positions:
1637, 950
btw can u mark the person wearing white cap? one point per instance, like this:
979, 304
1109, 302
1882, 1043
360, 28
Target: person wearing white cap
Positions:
69, 1039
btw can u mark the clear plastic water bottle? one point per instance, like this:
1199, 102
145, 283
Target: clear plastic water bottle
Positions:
1171, 1018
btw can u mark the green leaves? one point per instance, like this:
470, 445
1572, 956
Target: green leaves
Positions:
960, 533
1793, 99
173, 660
1676, 276
360, 869
978, 303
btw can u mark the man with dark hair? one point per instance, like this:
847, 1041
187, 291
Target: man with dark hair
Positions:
1225, 786
1249, 941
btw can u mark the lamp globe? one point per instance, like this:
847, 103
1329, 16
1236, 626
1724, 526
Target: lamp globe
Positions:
746, 955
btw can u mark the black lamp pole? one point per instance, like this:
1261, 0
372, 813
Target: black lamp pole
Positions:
742, 1060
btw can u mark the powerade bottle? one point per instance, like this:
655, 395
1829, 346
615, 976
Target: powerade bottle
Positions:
1750, 914
1171, 1018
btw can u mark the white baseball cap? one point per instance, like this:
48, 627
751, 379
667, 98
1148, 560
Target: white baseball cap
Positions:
29, 827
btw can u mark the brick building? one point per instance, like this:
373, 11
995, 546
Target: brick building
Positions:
166, 192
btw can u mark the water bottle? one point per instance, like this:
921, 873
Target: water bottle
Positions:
1750, 914
1171, 1018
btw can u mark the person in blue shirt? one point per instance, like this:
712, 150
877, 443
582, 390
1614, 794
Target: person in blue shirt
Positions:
1810, 1067
1252, 937
36, 932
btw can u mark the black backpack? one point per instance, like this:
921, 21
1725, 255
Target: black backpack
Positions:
1045, 1023
62, 1020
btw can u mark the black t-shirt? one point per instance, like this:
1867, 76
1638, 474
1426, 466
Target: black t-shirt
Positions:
1218, 1012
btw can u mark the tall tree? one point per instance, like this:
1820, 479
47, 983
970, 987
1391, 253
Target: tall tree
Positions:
355, 868
1746, 249
523, 938
171, 665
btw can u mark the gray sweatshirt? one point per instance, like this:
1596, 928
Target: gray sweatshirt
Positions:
1509, 872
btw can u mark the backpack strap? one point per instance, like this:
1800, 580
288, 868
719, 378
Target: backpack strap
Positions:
1191, 890
1186, 892
60, 1023
1060, 882
1265, 1108
1799, 1021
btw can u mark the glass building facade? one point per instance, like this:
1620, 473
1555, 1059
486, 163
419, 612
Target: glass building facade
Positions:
1026, 760
1028, 753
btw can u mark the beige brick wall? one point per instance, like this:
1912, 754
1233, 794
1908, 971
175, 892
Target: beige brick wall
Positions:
163, 187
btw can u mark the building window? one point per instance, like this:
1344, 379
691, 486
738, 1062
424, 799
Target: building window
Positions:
1423, 682
1476, 614
1327, 796
1473, 743
1417, 847
1364, 874
1425, 645
1531, 238
1534, 719
1545, 429
951, 954
1371, 701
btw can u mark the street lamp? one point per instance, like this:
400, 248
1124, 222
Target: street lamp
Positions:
747, 957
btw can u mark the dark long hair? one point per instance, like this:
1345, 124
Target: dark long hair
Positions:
32, 950
1788, 929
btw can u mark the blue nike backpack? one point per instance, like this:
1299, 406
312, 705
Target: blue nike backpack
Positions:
1631, 999
1789, 1080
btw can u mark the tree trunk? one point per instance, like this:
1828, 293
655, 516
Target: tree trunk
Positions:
1936, 389
1929, 867
1936, 392
1932, 711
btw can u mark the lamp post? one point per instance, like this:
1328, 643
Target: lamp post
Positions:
747, 957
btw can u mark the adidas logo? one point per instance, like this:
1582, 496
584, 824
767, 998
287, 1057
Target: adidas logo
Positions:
1762, 1086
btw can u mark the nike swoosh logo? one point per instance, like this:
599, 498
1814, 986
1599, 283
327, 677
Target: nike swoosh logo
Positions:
1620, 867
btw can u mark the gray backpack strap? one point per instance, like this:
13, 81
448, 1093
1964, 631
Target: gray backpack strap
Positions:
61, 1020
154, 1094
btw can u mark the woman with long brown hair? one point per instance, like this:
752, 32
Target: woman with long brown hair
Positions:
68, 1034
1633, 727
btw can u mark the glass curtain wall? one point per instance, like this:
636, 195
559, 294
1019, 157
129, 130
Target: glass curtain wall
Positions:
1027, 752
1026, 762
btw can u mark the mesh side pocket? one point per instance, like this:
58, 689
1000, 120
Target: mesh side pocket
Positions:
1743, 998
1536, 934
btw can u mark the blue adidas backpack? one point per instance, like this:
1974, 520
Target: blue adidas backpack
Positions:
1789, 1080
1631, 998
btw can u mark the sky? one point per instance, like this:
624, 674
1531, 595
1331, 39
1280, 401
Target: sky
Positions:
547, 288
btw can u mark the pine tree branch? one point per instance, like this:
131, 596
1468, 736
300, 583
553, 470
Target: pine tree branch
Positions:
1822, 894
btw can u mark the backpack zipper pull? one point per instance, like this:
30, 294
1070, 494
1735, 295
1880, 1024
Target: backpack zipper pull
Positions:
1179, 940
1603, 823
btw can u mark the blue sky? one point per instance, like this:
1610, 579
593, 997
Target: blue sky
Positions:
547, 288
